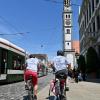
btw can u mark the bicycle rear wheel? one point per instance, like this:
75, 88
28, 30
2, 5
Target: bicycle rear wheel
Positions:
62, 96
30, 90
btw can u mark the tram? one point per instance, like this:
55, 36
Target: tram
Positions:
12, 61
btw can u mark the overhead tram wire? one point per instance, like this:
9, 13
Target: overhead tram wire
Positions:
8, 23
13, 33
12, 27
54, 1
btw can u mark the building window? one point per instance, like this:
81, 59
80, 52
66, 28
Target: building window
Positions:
93, 26
97, 1
68, 16
93, 33
68, 31
98, 22
90, 29
92, 6
89, 10
85, 20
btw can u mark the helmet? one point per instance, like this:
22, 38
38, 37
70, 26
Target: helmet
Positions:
60, 52
30, 56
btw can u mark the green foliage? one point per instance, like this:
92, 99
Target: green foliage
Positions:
81, 63
92, 60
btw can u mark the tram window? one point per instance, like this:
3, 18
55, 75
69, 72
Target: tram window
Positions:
14, 64
17, 62
3, 61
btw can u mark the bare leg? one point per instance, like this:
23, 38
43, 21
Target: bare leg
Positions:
67, 84
35, 89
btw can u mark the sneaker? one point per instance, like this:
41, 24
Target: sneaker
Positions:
35, 97
66, 88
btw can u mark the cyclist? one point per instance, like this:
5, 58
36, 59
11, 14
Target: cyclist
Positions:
61, 64
31, 69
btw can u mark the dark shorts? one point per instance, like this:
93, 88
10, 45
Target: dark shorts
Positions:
61, 72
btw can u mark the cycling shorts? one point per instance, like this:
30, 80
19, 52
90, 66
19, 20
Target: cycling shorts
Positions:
34, 74
63, 71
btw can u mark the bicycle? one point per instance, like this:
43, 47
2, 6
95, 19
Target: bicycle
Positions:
30, 87
59, 86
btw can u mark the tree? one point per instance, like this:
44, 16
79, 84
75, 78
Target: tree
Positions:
82, 64
92, 64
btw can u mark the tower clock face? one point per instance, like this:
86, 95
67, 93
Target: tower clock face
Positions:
68, 22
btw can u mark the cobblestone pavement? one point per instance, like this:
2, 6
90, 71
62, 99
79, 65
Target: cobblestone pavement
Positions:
78, 91
16, 91
12, 91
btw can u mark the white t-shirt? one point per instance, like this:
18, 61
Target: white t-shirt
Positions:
60, 63
32, 64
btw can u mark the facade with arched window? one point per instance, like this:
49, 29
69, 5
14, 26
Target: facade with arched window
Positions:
89, 26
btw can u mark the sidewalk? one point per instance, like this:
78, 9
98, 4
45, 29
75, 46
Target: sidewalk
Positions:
78, 91
44, 94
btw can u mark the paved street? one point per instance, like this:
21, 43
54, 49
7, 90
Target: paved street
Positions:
16, 91
80, 91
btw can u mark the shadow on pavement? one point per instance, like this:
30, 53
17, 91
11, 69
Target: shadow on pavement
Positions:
53, 98
50, 98
25, 97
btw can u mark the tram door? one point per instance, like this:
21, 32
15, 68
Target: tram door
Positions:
3, 61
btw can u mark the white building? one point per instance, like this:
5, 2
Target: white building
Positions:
67, 33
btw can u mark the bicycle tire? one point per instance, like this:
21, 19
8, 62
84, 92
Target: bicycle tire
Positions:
30, 90
62, 96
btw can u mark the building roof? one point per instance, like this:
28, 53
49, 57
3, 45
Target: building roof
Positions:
76, 46
40, 56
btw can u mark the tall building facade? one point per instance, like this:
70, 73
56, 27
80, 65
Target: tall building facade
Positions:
89, 26
67, 33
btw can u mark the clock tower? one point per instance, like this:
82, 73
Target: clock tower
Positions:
67, 32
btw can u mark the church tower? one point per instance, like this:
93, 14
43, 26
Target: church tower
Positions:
67, 32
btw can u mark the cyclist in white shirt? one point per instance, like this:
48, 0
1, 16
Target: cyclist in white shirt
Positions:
60, 64
31, 69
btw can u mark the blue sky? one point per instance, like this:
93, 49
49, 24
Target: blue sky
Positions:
39, 20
